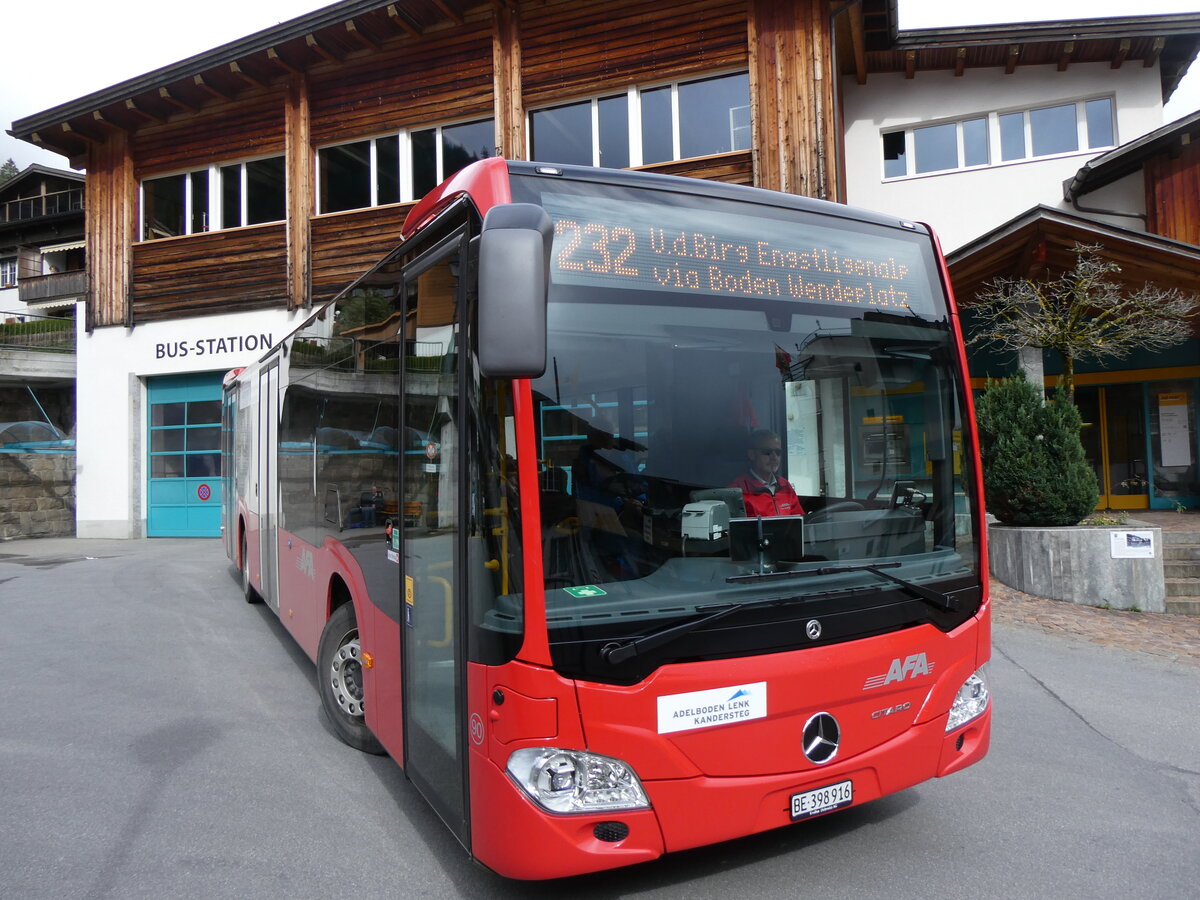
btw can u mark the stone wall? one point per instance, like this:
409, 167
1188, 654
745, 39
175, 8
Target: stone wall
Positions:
37, 495
1076, 564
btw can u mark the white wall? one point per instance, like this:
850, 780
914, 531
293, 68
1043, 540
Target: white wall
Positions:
10, 304
962, 205
112, 367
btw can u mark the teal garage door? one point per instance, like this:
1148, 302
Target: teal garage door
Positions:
185, 455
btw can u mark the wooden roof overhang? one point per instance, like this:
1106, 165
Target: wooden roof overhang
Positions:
329, 35
872, 45
1041, 242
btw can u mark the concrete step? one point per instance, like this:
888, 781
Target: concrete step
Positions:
1183, 587
1176, 569
1181, 537
1184, 606
1181, 552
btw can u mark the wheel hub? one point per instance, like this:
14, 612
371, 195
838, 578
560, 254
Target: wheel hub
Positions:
345, 676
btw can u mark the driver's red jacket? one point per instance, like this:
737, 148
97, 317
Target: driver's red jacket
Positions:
761, 502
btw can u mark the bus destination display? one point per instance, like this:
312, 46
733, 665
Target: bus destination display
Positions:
602, 242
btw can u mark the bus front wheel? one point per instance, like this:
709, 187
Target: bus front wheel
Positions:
340, 680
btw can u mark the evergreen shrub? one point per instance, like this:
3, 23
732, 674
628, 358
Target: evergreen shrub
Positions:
1034, 469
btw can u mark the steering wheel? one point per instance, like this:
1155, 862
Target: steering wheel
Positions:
624, 484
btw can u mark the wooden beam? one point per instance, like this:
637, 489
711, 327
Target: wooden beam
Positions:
99, 118
791, 97
282, 61
110, 215
1122, 54
960, 62
1064, 58
201, 84
299, 157
506, 81
450, 13
250, 79
320, 49
131, 106
1014, 56
400, 20
910, 63
1156, 50
858, 42
165, 94
84, 134
360, 34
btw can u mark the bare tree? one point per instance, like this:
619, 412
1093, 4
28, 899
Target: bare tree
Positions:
1082, 314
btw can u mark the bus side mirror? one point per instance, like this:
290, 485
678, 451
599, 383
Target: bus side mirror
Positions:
514, 275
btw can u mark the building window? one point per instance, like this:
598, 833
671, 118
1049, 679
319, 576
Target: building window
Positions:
8, 272
646, 125
224, 196
398, 167
1006, 137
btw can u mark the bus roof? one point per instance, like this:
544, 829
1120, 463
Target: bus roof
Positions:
486, 182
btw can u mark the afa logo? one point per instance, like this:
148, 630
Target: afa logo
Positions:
910, 667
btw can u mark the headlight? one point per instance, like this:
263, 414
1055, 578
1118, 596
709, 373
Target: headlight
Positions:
571, 781
971, 702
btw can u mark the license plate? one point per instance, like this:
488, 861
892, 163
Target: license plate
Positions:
822, 799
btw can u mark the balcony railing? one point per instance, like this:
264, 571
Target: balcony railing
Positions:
60, 286
42, 205
38, 333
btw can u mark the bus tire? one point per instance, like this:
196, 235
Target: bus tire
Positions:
339, 680
248, 590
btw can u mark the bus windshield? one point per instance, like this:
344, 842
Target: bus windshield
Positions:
751, 416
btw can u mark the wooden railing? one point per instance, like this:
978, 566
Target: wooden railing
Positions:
53, 287
42, 205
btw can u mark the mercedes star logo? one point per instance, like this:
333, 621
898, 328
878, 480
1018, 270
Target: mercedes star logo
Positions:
813, 629
821, 737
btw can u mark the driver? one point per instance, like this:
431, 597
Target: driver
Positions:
767, 493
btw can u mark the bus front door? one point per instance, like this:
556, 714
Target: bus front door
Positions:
433, 651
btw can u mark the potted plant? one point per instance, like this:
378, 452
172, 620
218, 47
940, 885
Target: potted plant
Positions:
1039, 487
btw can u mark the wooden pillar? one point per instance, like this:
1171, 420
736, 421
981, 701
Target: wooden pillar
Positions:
110, 221
299, 160
506, 64
792, 96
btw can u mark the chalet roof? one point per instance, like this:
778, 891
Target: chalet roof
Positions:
34, 170
867, 42
326, 35
1170, 40
1043, 239
1128, 158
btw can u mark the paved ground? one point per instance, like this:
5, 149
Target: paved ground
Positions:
161, 737
1170, 637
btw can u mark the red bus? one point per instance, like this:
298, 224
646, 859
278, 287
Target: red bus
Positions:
498, 490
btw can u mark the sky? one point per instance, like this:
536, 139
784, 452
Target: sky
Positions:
101, 44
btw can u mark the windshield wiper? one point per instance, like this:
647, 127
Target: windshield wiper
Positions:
936, 599
616, 652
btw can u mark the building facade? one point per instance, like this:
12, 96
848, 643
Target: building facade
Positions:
229, 193
1016, 143
42, 277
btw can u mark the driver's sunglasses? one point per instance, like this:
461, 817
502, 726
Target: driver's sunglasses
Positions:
769, 451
